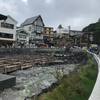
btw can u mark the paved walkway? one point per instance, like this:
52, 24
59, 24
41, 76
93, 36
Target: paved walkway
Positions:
95, 95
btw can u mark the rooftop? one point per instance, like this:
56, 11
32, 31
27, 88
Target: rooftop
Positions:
29, 21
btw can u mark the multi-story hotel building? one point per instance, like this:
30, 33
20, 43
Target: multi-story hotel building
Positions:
48, 32
34, 26
7, 31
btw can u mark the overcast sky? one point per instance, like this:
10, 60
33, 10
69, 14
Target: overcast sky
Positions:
76, 13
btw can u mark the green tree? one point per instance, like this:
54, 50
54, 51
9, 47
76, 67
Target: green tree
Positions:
60, 26
95, 28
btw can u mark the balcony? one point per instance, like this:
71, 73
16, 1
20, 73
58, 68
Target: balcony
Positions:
6, 39
37, 37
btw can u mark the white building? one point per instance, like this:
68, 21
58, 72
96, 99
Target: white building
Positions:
34, 26
7, 31
22, 38
76, 33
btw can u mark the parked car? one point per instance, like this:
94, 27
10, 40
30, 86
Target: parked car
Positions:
94, 49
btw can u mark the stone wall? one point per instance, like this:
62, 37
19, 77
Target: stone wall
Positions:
10, 51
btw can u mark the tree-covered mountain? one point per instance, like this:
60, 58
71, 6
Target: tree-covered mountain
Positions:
95, 28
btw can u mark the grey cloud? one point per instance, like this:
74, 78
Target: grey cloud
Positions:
77, 13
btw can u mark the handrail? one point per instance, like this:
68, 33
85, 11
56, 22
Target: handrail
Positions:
95, 95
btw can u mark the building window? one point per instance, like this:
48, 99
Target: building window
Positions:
22, 36
6, 35
38, 29
30, 28
6, 25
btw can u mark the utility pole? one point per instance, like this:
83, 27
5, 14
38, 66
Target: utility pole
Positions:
69, 28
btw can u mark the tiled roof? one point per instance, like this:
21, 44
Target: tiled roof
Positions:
3, 17
29, 21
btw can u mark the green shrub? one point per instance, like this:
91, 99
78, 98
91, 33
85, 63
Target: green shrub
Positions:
76, 86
